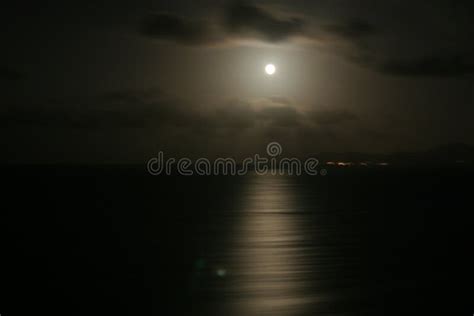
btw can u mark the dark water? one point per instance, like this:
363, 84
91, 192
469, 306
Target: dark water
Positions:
116, 241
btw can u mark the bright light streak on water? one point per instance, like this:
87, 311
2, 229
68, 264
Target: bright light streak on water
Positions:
270, 257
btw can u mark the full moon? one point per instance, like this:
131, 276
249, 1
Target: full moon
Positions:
270, 69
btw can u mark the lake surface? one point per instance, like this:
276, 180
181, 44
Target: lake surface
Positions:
96, 240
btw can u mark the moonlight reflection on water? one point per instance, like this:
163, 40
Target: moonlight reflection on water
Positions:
269, 255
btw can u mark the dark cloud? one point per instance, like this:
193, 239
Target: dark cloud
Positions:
281, 116
131, 109
237, 20
173, 27
235, 114
444, 66
153, 109
332, 117
250, 20
10, 74
351, 29
417, 39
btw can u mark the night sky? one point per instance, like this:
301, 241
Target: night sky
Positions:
117, 81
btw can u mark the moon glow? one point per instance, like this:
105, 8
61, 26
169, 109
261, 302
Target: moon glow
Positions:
270, 69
